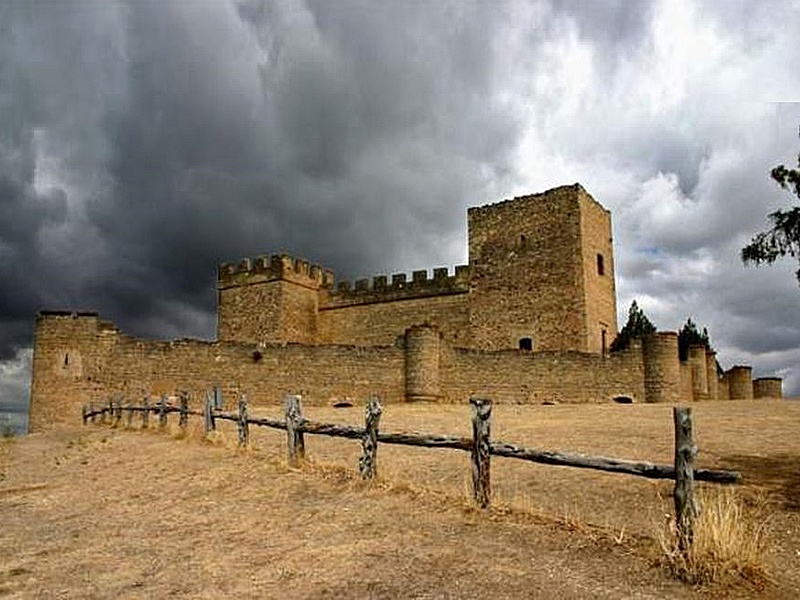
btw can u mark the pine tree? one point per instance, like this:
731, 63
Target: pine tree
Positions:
689, 335
638, 325
783, 238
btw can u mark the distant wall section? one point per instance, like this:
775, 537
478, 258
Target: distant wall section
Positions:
70, 350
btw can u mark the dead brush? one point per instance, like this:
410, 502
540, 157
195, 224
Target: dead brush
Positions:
729, 544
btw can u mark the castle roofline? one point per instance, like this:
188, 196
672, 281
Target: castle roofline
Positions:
67, 312
576, 187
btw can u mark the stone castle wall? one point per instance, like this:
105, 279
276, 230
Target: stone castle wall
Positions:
528, 320
70, 351
422, 366
80, 358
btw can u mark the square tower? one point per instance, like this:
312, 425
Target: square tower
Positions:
271, 299
542, 273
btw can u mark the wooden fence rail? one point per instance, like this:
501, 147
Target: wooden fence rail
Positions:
479, 445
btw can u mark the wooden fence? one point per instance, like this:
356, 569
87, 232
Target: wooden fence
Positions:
480, 445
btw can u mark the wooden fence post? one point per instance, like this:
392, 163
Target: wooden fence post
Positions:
162, 411
481, 482
145, 412
683, 494
294, 437
118, 411
184, 420
208, 414
367, 464
130, 414
244, 426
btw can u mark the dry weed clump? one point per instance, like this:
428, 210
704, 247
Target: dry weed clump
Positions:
729, 544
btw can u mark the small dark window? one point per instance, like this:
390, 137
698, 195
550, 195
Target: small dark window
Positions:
526, 344
66, 360
604, 337
522, 240
601, 268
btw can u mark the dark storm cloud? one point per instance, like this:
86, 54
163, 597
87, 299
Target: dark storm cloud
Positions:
173, 135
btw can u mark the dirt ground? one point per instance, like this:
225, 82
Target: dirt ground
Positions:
98, 512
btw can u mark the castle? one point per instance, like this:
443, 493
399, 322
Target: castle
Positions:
528, 320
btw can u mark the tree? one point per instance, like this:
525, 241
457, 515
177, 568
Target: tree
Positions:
783, 238
638, 325
689, 335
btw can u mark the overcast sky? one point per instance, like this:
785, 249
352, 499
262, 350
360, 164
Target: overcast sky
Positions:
143, 142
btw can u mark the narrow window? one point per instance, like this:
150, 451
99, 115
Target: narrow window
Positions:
601, 269
604, 342
526, 344
66, 360
522, 240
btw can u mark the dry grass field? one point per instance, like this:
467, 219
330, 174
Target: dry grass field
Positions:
99, 512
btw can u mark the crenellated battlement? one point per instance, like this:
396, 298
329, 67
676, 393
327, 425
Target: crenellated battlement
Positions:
398, 286
278, 267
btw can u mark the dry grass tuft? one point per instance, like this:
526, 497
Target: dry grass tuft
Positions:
729, 542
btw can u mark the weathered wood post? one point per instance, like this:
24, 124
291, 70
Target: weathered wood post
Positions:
130, 414
118, 411
294, 437
244, 426
481, 481
184, 420
683, 494
145, 412
162, 411
208, 414
367, 464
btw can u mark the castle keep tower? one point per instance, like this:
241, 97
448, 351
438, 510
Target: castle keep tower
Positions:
543, 273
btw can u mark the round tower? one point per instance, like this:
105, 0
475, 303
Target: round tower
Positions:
698, 365
768, 387
740, 383
422, 362
713, 376
662, 375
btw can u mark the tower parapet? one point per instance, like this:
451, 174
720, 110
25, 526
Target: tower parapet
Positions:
277, 267
383, 288
269, 299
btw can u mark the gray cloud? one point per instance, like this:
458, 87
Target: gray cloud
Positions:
142, 142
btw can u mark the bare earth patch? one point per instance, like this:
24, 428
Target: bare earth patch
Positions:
113, 513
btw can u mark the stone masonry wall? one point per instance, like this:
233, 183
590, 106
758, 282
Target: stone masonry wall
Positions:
269, 299
382, 323
70, 350
533, 377
527, 277
265, 374
598, 273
